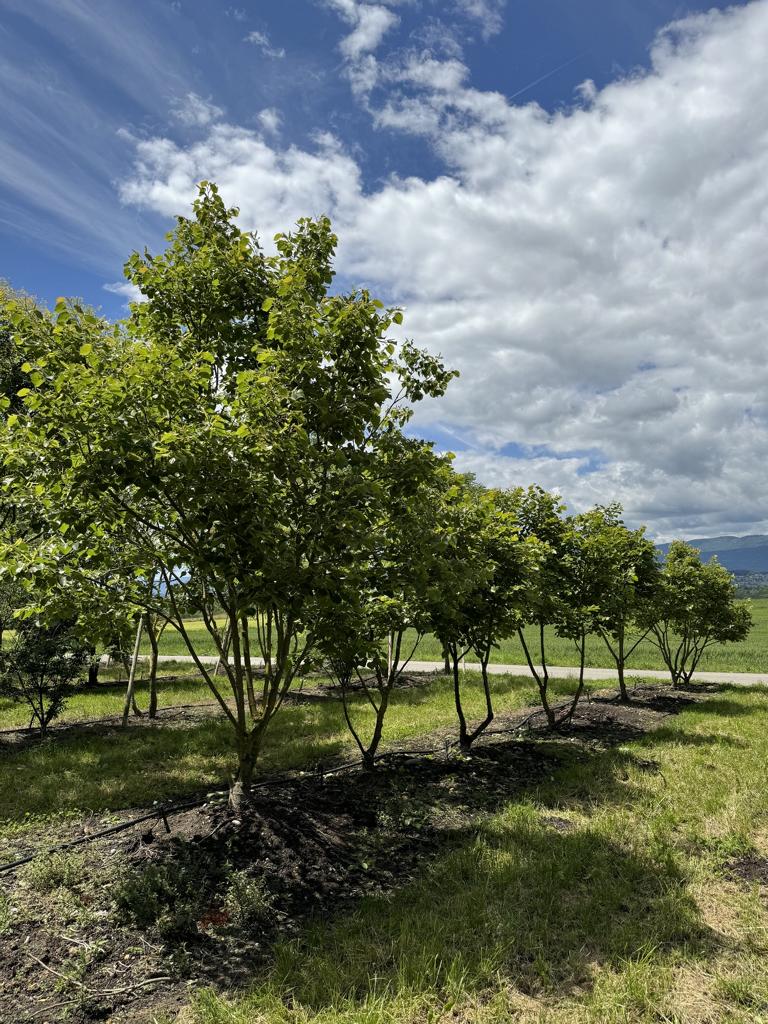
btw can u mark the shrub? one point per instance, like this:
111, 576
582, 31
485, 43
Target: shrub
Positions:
247, 901
40, 668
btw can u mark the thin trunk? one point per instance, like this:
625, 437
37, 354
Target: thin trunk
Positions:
542, 679
446, 662
369, 755
623, 692
580, 688
153, 655
129, 694
485, 657
457, 696
219, 670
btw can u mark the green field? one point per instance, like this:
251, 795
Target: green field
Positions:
749, 656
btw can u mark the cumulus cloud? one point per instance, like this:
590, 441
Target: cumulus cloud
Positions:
270, 119
129, 291
597, 275
262, 41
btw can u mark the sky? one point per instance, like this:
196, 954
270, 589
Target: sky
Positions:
568, 199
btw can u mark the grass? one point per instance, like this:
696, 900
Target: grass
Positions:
108, 698
91, 770
626, 915
751, 655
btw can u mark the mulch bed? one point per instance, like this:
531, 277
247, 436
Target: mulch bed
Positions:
318, 841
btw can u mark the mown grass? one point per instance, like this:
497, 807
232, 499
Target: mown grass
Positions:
108, 697
624, 914
94, 769
751, 655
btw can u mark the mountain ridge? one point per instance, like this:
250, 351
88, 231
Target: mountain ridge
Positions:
747, 554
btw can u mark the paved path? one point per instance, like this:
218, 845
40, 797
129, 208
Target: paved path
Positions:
555, 671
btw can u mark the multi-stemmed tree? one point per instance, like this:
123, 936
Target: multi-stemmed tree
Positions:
694, 607
369, 635
220, 441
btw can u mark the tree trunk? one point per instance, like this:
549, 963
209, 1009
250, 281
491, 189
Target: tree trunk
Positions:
542, 679
219, 670
240, 791
463, 744
580, 688
153, 657
130, 700
623, 692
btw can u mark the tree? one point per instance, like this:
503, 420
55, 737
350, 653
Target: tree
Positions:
627, 567
40, 666
539, 519
582, 589
479, 578
383, 586
694, 607
220, 441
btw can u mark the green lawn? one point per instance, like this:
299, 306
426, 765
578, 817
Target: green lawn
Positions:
625, 914
95, 771
622, 914
749, 656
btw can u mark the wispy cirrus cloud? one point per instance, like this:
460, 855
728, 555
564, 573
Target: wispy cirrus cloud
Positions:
194, 111
262, 42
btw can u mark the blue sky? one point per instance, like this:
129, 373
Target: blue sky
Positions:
82, 80
514, 173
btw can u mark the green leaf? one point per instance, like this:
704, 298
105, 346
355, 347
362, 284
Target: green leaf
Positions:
86, 349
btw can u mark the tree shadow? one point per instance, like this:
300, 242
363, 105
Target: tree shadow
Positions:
521, 901
425, 882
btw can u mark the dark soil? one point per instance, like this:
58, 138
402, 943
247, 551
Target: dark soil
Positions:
749, 868
153, 904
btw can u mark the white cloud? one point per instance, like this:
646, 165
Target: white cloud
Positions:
126, 289
487, 13
597, 275
370, 23
261, 40
273, 189
270, 120
194, 111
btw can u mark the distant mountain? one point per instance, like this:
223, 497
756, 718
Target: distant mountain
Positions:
739, 554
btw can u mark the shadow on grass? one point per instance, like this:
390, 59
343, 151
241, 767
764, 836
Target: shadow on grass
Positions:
519, 898
691, 739
520, 902
185, 678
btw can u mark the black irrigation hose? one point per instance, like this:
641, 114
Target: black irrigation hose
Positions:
160, 814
